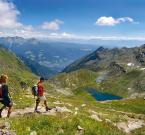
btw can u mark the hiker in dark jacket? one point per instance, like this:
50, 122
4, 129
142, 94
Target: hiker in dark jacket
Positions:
4, 95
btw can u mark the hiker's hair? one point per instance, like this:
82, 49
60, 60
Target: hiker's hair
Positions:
3, 79
42, 79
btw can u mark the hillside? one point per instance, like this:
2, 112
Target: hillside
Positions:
20, 76
102, 58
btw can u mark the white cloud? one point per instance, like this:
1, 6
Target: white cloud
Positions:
8, 15
64, 36
53, 25
110, 21
10, 26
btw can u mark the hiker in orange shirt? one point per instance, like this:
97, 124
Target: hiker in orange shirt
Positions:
41, 96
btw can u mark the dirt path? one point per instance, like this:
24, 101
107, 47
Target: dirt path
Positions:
30, 110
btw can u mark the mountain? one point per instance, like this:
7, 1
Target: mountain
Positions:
118, 71
103, 58
50, 57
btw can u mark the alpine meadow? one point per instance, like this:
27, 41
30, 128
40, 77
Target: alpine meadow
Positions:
72, 67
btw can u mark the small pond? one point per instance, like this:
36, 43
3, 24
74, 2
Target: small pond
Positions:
100, 96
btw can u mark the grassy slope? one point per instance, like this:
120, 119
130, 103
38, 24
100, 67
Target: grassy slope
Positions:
74, 80
17, 72
117, 85
68, 122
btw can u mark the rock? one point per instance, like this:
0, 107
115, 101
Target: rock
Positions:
76, 108
83, 105
68, 104
58, 102
60, 131
33, 133
75, 113
108, 121
7, 125
116, 68
130, 64
123, 126
131, 125
2, 125
95, 117
5, 129
63, 109
142, 68
79, 128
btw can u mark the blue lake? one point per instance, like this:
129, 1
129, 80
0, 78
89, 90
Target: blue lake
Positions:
100, 96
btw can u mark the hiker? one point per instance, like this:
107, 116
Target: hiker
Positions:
4, 95
41, 96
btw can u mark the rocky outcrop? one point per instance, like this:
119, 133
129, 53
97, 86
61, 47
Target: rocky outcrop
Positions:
5, 129
116, 68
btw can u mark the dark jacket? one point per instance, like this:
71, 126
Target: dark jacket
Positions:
5, 92
5, 96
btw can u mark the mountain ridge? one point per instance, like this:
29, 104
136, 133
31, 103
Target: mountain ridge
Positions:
103, 57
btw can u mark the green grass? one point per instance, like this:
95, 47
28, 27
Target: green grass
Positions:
117, 85
68, 122
128, 105
75, 79
52, 125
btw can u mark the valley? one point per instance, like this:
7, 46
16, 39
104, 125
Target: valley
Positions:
74, 109
45, 58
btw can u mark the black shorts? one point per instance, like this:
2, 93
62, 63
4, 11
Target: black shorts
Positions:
7, 103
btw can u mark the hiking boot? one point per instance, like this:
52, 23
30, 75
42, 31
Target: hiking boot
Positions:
36, 111
48, 109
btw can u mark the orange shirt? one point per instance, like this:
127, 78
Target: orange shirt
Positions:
40, 89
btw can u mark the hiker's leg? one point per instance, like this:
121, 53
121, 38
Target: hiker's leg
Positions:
37, 104
9, 109
46, 106
45, 103
2, 110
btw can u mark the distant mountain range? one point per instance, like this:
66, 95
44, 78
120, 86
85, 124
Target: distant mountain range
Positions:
43, 57
103, 58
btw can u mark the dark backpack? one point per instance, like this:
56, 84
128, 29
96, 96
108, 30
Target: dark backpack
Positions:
1, 90
35, 90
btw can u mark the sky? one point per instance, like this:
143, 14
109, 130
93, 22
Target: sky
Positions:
73, 19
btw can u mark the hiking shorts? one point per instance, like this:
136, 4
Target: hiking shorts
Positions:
41, 98
6, 103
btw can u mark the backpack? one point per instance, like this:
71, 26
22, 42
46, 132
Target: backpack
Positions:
35, 90
1, 90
